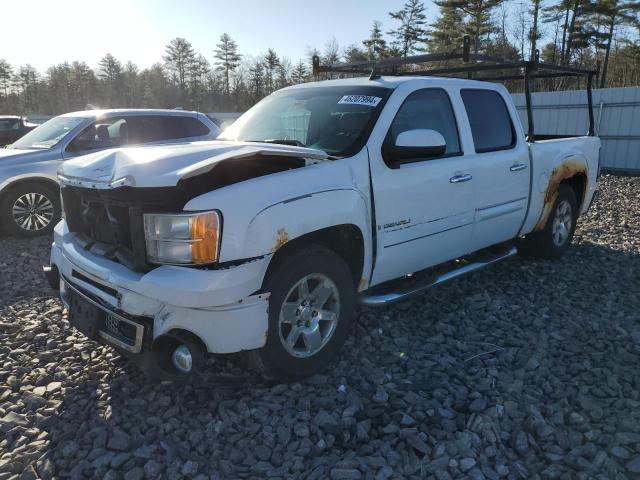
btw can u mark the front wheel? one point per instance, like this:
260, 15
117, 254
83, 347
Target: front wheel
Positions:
29, 209
555, 238
310, 312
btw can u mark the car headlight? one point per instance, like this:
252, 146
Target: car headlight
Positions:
182, 238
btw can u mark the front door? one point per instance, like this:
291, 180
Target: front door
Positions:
423, 207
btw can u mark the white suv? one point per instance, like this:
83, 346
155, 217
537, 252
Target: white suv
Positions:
29, 198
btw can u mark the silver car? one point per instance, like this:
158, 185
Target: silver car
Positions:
29, 194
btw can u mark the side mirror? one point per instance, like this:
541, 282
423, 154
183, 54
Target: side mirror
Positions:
417, 144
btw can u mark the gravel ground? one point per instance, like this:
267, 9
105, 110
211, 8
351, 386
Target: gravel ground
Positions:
525, 370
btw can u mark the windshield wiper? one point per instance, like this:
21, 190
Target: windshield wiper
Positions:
282, 141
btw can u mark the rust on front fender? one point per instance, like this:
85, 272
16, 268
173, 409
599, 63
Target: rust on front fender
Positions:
567, 169
282, 237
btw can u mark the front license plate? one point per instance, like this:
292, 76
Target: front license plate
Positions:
85, 316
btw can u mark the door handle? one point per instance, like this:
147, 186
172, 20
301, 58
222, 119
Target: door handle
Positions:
460, 178
518, 166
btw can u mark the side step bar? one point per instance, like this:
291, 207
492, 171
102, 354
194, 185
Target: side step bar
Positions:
402, 292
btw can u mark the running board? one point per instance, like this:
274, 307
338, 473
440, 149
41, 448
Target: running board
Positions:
403, 291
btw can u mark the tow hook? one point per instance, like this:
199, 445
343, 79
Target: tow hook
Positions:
53, 276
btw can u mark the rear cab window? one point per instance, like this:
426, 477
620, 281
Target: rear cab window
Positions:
490, 121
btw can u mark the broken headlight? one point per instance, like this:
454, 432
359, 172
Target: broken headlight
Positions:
183, 238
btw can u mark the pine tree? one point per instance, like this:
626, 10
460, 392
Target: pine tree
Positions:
256, 79
179, 58
110, 73
227, 57
612, 13
353, 53
446, 32
27, 79
376, 45
479, 23
271, 62
574, 17
110, 68
82, 84
299, 73
6, 72
411, 33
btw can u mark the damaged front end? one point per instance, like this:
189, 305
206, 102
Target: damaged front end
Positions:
107, 216
162, 317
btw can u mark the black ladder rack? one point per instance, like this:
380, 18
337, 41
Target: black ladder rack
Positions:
525, 70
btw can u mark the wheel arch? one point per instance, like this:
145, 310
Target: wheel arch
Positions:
346, 240
15, 182
572, 171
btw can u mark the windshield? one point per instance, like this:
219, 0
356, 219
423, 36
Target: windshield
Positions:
7, 124
48, 134
336, 120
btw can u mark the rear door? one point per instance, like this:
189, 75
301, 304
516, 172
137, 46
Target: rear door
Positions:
501, 169
424, 206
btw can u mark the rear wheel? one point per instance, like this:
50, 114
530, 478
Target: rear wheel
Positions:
310, 312
29, 209
554, 240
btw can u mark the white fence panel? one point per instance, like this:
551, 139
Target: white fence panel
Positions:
617, 121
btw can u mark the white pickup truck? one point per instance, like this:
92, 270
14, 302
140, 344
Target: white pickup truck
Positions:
322, 196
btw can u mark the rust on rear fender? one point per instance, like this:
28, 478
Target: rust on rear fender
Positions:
566, 170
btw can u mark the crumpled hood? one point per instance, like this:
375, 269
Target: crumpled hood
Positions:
163, 166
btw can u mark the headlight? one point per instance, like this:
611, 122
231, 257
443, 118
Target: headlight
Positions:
182, 239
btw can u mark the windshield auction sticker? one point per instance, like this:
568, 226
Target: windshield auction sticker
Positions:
360, 100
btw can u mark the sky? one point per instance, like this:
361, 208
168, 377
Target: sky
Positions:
46, 32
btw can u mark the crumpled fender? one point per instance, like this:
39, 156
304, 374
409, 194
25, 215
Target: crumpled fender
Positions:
278, 224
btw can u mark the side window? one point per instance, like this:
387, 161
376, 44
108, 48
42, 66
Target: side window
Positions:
100, 135
193, 127
157, 128
427, 109
490, 121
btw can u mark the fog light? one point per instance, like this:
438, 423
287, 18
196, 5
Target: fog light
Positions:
182, 359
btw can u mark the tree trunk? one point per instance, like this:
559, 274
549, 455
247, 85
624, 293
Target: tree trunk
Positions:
564, 34
608, 51
572, 26
534, 28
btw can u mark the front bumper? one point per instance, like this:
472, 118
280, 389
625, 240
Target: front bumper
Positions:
220, 307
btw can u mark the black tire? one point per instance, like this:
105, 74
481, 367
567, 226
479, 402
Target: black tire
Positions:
35, 226
542, 244
274, 362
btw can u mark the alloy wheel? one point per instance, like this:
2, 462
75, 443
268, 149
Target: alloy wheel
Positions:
309, 315
562, 223
32, 211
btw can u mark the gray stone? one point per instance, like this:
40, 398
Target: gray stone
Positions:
345, 474
152, 469
634, 465
189, 468
467, 464
135, 473
478, 405
521, 444
118, 440
381, 395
